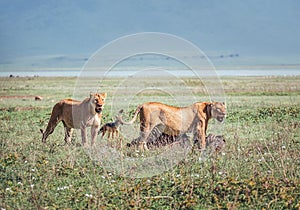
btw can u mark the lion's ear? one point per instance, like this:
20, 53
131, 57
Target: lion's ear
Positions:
104, 95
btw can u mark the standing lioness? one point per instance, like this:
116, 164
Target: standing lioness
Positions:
79, 115
178, 120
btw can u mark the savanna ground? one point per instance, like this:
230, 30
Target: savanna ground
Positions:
258, 169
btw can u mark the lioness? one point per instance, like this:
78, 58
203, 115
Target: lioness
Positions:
77, 114
178, 120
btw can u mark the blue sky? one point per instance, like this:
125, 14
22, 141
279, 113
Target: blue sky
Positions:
64, 33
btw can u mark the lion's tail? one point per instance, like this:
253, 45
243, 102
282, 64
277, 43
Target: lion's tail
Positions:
137, 111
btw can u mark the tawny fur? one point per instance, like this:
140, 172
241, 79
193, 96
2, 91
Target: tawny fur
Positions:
175, 121
78, 115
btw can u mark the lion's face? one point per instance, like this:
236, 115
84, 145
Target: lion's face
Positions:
97, 100
218, 111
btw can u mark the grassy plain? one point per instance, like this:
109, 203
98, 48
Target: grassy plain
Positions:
259, 168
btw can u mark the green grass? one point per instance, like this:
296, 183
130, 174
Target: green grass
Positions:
258, 169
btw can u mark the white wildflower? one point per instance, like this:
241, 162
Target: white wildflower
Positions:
88, 195
8, 189
62, 188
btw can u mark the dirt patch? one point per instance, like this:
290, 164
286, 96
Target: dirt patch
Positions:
36, 98
18, 96
20, 108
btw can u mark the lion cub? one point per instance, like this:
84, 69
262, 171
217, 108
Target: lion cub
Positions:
79, 115
112, 127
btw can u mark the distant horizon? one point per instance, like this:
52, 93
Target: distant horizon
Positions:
235, 71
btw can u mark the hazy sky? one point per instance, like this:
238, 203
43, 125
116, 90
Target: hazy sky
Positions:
63, 33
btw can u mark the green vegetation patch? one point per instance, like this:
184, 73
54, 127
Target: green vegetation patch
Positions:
276, 113
258, 169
